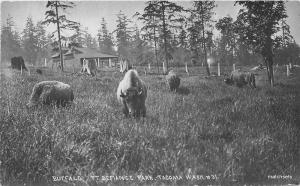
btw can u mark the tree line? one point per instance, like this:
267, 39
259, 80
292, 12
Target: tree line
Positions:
171, 35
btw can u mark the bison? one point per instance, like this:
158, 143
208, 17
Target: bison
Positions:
173, 80
132, 92
39, 71
241, 78
18, 63
51, 92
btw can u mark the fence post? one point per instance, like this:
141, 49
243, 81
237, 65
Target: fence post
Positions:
219, 70
233, 66
164, 68
121, 66
186, 69
21, 69
45, 61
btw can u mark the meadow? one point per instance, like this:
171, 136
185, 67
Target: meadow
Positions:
220, 134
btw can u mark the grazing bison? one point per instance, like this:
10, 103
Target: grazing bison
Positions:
39, 71
173, 80
18, 63
51, 92
132, 92
241, 78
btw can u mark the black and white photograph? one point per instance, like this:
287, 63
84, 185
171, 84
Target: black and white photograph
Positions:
119, 93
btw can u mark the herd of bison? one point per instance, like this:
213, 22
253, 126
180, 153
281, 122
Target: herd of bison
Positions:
131, 92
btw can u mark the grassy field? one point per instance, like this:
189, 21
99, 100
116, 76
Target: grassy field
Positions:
234, 135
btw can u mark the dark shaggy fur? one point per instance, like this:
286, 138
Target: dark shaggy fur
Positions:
39, 71
173, 80
51, 92
241, 79
18, 63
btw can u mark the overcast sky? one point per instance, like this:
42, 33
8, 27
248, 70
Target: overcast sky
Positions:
90, 13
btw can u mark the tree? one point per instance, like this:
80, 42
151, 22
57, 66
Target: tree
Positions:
62, 23
77, 39
183, 38
227, 42
30, 41
286, 37
164, 15
139, 48
105, 39
123, 35
257, 25
290, 53
10, 41
88, 39
200, 29
150, 28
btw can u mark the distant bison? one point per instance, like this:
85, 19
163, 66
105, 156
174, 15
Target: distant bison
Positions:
132, 92
39, 71
173, 80
240, 79
18, 63
51, 92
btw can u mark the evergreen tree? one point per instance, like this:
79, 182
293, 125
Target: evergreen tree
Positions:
77, 39
123, 35
227, 42
87, 39
138, 48
30, 42
54, 16
151, 26
10, 41
165, 13
286, 37
105, 39
42, 42
183, 38
200, 27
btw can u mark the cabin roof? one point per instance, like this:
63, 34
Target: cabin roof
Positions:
84, 53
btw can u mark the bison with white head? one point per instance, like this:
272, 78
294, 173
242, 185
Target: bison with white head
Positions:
132, 92
173, 80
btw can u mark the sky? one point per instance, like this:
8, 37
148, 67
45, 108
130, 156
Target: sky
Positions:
90, 13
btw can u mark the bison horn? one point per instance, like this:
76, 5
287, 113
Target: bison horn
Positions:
122, 94
140, 92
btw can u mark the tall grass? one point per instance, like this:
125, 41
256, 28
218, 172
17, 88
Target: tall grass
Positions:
206, 128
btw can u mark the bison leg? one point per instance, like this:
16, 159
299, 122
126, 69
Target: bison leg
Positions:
254, 85
125, 110
143, 112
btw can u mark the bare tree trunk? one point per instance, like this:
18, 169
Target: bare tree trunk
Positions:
268, 55
59, 40
271, 76
156, 59
204, 46
155, 48
205, 53
165, 39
